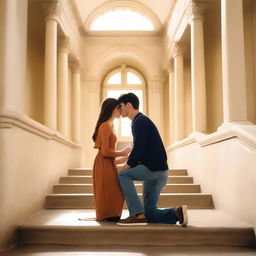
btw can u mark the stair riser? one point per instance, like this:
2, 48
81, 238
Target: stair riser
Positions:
89, 189
129, 236
181, 172
88, 180
87, 202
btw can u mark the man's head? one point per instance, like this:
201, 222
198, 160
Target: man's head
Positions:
128, 103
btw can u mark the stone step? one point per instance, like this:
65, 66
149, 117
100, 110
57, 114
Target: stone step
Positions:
87, 179
86, 201
88, 171
206, 227
88, 188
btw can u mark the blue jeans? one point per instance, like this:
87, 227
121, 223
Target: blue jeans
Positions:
153, 184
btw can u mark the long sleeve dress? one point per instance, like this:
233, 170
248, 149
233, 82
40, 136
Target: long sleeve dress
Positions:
108, 196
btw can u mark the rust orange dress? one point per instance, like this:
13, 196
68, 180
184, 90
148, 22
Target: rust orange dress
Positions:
108, 196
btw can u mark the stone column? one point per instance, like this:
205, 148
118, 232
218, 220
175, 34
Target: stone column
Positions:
50, 66
13, 52
76, 101
179, 97
195, 14
171, 100
233, 62
63, 51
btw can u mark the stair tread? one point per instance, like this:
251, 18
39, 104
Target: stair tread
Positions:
207, 218
89, 169
137, 184
91, 176
205, 227
162, 194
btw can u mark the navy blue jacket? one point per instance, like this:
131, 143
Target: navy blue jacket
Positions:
148, 148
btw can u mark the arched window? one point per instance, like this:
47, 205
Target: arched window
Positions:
119, 81
122, 20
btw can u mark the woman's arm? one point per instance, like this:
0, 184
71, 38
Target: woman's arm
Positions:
106, 151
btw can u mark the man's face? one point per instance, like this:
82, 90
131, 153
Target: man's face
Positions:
124, 109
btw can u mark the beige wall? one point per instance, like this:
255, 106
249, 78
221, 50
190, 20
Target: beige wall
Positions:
213, 69
29, 166
249, 8
226, 170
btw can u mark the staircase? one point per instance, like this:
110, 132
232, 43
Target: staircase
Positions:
76, 191
72, 198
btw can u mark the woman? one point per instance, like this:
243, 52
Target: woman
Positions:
107, 193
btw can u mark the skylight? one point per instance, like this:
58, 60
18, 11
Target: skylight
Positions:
122, 20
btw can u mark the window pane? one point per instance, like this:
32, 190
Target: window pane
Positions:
133, 79
122, 20
115, 79
126, 127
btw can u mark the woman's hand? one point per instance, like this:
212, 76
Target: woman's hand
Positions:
122, 167
121, 160
126, 151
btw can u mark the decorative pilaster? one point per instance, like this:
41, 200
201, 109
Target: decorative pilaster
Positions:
50, 77
195, 13
76, 100
233, 62
179, 115
63, 51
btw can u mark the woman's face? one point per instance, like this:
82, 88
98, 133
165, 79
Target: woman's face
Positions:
117, 112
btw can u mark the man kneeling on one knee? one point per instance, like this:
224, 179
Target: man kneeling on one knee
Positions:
147, 162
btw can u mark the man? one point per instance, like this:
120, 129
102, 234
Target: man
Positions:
148, 163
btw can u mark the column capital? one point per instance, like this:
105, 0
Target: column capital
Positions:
75, 65
64, 44
196, 9
170, 67
178, 49
52, 9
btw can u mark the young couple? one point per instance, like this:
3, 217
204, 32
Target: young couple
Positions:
146, 161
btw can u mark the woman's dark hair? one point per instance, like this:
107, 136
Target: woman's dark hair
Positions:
107, 108
129, 97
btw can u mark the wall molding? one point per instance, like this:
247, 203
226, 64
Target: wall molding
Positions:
246, 133
9, 120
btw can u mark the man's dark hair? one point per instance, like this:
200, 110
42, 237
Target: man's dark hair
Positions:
129, 97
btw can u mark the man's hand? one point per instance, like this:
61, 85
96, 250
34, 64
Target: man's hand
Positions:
122, 167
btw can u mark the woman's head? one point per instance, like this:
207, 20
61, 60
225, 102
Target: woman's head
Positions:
109, 108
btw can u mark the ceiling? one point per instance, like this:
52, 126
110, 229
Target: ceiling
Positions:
161, 8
